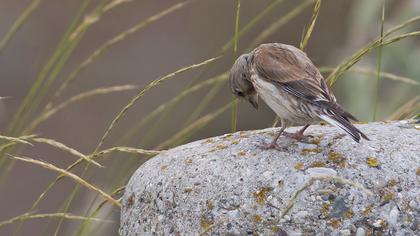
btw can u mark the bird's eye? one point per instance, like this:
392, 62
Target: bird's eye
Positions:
239, 93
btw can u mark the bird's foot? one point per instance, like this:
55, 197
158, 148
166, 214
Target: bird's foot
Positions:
273, 145
297, 136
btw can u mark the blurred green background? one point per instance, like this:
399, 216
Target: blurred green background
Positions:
188, 35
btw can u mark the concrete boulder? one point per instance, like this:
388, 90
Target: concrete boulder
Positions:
325, 185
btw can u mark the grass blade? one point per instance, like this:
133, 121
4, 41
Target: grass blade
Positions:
76, 178
315, 14
21, 113
192, 128
13, 139
347, 64
29, 216
410, 107
48, 112
371, 72
110, 43
126, 150
163, 107
65, 148
234, 119
19, 22
378, 77
279, 23
143, 91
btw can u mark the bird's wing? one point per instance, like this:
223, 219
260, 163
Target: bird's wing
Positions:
291, 70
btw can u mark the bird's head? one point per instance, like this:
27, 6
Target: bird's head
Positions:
240, 81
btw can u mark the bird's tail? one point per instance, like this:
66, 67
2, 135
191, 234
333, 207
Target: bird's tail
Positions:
341, 119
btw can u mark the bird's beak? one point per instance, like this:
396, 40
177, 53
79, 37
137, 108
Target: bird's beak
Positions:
253, 99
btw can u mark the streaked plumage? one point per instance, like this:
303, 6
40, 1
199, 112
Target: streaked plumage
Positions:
286, 79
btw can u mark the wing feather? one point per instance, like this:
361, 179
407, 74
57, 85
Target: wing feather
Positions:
292, 70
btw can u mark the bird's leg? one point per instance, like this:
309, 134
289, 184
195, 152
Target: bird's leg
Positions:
273, 144
297, 135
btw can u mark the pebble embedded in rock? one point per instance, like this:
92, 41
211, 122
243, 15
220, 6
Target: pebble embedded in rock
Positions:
339, 207
393, 217
345, 232
301, 216
360, 232
321, 171
413, 204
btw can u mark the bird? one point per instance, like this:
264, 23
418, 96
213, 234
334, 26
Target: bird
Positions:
291, 85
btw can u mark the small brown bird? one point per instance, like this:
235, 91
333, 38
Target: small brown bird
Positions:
289, 83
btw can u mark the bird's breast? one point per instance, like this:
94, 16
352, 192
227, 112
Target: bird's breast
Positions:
285, 105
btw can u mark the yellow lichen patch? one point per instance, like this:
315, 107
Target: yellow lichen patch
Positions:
335, 223
349, 214
318, 164
241, 153
317, 140
205, 223
164, 167
372, 162
325, 210
335, 138
209, 140
391, 183
130, 201
188, 161
261, 195
418, 171
299, 166
306, 151
367, 210
243, 134
388, 196
337, 159
221, 146
235, 142
256, 218
383, 223
322, 123
210, 204
228, 137
188, 190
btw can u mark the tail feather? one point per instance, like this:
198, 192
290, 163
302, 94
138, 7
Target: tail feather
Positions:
342, 122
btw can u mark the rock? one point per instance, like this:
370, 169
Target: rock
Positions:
393, 217
339, 207
413, 204
321, 171
228, 185
360, 231
345, 232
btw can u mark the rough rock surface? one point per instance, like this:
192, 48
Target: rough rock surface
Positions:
228, 185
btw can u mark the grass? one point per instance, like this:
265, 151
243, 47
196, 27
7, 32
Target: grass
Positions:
234, 121
46, 98
379, 66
